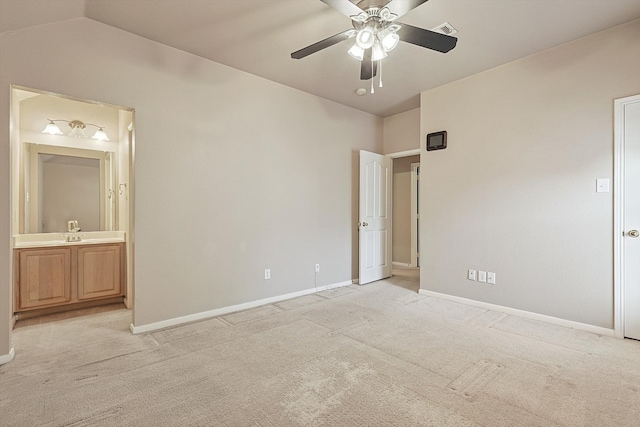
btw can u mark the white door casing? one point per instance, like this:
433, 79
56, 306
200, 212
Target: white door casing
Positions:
375, 217
627, 218
415, 214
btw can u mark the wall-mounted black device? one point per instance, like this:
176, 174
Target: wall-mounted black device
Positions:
437, 140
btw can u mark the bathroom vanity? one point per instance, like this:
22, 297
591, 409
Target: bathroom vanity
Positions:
56, 270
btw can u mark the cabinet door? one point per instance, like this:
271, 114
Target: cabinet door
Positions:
99, 271
44, 277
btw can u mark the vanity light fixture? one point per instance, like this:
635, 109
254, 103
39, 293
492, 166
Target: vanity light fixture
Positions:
77, 129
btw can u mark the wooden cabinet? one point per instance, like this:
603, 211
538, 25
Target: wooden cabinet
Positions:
99, 271
62, 275
44, 276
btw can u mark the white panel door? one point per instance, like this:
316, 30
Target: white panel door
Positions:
631, 222
375, 217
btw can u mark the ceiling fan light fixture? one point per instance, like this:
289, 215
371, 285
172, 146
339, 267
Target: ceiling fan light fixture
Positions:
366, 37
389, 39
378, 52
356, 52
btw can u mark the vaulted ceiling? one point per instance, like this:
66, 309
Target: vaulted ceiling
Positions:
258, 36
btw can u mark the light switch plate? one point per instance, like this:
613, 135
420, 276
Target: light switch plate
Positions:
482, 276
471, 275
602, 185
491, 278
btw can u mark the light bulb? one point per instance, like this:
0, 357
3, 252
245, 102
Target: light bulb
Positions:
378, 52
366, 37
100, 135
356, 52
389, 40
52, 129
77, 132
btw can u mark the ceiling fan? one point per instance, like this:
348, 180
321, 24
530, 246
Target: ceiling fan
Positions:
377, 32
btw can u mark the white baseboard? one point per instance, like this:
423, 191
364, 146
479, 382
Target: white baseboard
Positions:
522, 313
230, 309
399, 264
6, 358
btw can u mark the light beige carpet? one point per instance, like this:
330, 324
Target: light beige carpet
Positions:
374, 355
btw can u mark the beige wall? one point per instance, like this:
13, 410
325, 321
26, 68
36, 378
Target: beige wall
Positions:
517, 193
401, 246
233, 173
402, 132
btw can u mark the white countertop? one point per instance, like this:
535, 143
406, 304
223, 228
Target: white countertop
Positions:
60, 239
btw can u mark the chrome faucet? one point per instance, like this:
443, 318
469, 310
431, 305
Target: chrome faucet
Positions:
73, 228
74, 237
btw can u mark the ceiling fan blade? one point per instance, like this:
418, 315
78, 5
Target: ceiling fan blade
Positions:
368, 69
345, 7
401, 7
322, 44
426, 38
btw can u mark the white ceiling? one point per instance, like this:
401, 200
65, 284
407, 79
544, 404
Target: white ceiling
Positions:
258, 36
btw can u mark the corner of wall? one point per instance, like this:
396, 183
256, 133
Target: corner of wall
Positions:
401, 132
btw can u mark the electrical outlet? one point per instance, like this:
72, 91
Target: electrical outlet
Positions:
317, 268
482, 276
491, 278
471, 275
267, 273
602, 185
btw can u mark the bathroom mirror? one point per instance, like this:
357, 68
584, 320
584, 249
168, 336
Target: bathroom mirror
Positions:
63, 184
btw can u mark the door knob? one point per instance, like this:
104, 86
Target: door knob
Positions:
633, 233
364, 224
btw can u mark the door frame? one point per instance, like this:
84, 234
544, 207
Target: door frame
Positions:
127, 188
415, 214
397, 155
618, 213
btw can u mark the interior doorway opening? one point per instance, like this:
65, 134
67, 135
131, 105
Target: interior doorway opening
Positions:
67, 256
406, 216
405, 252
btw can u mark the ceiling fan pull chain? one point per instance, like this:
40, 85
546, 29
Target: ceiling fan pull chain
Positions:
380, 67
372, 79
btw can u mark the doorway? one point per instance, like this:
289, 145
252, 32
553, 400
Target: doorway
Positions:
405, 249
627, 218
378, 188
405, 224
56, 136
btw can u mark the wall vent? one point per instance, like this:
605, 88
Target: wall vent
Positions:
445, 28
